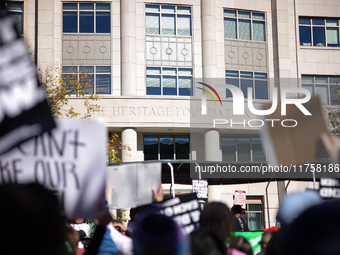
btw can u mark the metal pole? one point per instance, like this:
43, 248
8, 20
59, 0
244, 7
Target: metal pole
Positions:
172, 179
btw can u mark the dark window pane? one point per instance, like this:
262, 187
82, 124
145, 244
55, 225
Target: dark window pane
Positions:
255, 221
230, 28
254, 207
245, 84
103, 69
69, 6
166, 138
87, 82
244, 29
304, 21
319, 36
150, 151
258, 154
228, 152
70, 69
332, 36
14, 6
86, 69
322, 91
243, 140
309, 87
86, 7
307, 79
228, 140
166, 150
182, 150
70, 22
169, 85
246, 74
260, 76
243, 152
151, 138
305, 36
153, 91
152, 24
103, 22
261, 90
256, 139
318, 21
182, 138
229, 73
234, 82
17, 18
184, 92
335, 94
103, 84
86, 22
103, 7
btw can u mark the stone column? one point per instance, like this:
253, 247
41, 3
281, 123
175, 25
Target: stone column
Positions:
128, 47
129, 138
209, 57
212, 146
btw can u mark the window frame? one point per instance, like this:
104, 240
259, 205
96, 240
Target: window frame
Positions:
176, 14
236, 151
159, 144
162, 75
94, 11
95, 74
315, 84
254, 79
311, 26
250, 200
251, 19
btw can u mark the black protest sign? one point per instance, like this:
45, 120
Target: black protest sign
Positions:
24, 112
184, 210
200, 187
70, 160
329, 188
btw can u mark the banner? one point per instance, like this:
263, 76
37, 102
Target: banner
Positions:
253, 237
132, 183
201, 188
71, 160
24, 112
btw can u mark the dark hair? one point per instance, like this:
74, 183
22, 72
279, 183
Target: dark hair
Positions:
216, 217
35, 209
204, 242
236, 209
241, 244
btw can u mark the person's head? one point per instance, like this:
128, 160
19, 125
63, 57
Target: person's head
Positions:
236, 209
266, 236
217, 218
158, 234
79, 220
204, 242
241, 244
31, 216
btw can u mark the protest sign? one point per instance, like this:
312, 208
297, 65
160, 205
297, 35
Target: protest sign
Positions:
71, 160
200, 187
298, 143
240, 198
184, 210
24, 112
132, 183
329, 188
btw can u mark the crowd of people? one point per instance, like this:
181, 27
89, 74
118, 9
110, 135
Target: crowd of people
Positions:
34, 223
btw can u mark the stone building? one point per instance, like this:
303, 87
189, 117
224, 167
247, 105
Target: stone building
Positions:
145, 57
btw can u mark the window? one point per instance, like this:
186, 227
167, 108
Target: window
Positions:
168, 81
16, 10
166, 146
86, 18
327, 88
254, 213
244, 25
319, 32
242, 149
97, 77
168, 20
245, 80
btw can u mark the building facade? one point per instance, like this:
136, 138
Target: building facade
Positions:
145, 58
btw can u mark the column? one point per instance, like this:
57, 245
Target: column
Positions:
212, 146
209, 55
129, 138
128, 47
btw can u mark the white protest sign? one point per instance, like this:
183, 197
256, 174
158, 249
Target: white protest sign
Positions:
24, 112
72, 161
201, 188
240, 198
132, 183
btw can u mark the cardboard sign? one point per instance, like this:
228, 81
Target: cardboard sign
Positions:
24, 112
240, 198
329, 188
298, 144
184, 210
201, 188
132, 183
71, 160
